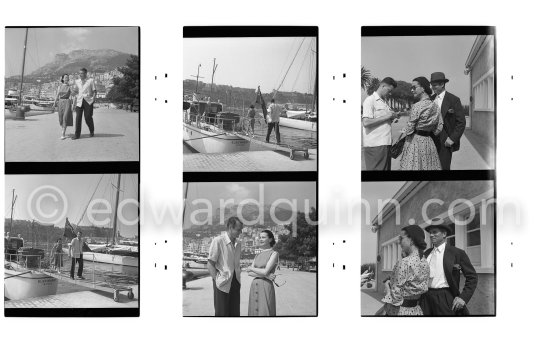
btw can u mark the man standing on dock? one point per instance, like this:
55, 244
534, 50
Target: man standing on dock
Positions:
75, 253
274, 113
376, 119
224, 265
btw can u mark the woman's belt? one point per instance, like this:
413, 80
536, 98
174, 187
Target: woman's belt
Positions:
410, 303
423, 133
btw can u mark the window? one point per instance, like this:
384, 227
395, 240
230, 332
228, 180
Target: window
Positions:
484, 92
451, 237
473, 240
391, 251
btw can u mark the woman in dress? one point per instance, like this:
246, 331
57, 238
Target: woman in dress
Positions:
261, 301
65, 105
425, 123
251, 119
409, 279
57, 255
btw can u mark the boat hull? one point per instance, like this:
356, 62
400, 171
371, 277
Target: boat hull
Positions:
298, 124
19, 286
111, 259
209, 142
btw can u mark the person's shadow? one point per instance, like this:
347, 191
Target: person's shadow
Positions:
101, 135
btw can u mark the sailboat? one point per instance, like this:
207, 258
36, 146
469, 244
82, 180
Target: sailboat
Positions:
20, 105
22, 276
301, 119
208, 129
113, 253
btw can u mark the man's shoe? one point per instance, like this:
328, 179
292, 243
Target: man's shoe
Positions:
91, 135
74, 138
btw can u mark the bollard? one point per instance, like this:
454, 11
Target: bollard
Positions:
20, 113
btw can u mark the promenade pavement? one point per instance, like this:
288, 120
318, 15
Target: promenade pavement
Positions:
297, 297
37, 138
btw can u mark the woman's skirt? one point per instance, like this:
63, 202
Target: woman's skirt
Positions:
410, 311
261, 301
65, 112
420, 153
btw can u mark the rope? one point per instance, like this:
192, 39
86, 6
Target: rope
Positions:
292, 62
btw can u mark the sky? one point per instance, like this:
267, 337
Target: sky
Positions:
44, 43
372, 192
250, 62
78, 190
214, 191
407, 57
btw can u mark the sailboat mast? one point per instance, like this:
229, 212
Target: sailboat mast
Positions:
115, 221
214, 67
13, 197
23, 67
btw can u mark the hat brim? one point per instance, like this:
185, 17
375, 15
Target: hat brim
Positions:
439, 80
439, 227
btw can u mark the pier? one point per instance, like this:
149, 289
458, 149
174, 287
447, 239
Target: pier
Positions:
249, 161
297, 297
37, 138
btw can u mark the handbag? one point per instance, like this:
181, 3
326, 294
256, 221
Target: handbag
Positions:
397, 148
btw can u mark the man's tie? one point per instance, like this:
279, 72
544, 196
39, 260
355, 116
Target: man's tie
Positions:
433, 265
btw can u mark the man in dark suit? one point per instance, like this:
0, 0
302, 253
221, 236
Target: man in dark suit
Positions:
446, 263
454, 121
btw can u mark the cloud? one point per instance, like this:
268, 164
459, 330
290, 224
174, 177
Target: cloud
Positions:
78, 34
237, 192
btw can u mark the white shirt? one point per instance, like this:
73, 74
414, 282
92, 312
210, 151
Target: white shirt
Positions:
227, 260
374, 107
439, 99
274, 112
86, 91
76, 246
437, 274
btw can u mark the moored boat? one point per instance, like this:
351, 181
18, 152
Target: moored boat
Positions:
212, 130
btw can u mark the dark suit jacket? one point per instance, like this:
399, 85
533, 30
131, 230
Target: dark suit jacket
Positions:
451, 258
454, 121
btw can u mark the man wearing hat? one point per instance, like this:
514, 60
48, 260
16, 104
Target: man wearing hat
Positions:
454, 121
446, 263
377, 118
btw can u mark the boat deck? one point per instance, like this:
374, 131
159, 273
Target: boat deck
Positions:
250, 161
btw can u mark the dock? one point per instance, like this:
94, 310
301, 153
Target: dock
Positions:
297, 297
80, 294
249, 161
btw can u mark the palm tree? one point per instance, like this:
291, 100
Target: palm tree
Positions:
365, 78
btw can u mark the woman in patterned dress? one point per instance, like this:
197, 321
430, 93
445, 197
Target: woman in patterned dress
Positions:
57, 255
261, 301
409, 279
65, 105
425, 123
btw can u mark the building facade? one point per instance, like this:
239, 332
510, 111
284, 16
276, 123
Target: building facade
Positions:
467, 207
480, 65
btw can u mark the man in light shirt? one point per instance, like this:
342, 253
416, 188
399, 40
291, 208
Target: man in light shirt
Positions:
224, 265
84, 103
454, 121
376, 119
75, 253
273, 117
446, 264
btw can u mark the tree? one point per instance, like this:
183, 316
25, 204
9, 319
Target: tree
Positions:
305, 242
126, 88
365, 78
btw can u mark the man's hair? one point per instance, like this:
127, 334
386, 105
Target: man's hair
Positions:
389, 81
232, 222
79, 232
273, 100
83, 70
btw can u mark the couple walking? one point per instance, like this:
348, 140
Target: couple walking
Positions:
432, 133
225, 268
428, 282
80, 97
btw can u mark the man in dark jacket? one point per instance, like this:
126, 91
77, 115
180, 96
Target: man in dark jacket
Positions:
446, 263
454, 121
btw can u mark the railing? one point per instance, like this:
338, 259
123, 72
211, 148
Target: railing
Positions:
20, 258
205, 122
